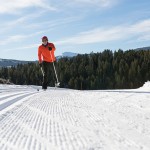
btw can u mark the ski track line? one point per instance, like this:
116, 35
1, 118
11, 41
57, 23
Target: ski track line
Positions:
11, 100
13, 133
72, 128
12, 96
7, 95
21, 134
15, 90
9, 89
55, 115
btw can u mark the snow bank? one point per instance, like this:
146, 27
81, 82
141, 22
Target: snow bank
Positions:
146, 86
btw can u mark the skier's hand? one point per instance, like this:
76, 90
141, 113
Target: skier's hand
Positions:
49, 48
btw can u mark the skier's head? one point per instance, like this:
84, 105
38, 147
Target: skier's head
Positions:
44, 40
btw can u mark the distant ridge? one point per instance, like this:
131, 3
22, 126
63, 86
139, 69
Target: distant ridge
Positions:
11, 62
67, 54
143, 48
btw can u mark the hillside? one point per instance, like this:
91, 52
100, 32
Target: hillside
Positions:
143, 48
11, 62
61, 119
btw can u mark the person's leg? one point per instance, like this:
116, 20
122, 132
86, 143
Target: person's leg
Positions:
45, 76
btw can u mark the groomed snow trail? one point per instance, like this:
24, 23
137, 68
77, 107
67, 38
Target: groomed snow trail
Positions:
61, 119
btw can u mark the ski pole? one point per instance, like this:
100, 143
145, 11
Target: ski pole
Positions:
55, 70
42, 71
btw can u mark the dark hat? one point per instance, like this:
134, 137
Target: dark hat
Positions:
44, 38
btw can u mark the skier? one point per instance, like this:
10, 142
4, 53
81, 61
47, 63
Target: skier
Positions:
46, 58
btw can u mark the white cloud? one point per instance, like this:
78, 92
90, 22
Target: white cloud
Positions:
21, 20
12, 6
10, 39
98, 3
16, 38
140, 30
143, 26
22, 47
50, 26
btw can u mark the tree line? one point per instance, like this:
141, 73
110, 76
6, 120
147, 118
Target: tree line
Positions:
101, 70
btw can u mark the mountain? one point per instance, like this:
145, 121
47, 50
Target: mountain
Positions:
66, 54
69, 54
143, 48
11, 62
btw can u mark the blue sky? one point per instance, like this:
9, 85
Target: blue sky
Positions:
79, 26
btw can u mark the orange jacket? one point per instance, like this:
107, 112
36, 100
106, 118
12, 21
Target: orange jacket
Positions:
44, 53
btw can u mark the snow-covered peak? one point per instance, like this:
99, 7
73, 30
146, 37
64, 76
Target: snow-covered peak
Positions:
66, 54
69, 54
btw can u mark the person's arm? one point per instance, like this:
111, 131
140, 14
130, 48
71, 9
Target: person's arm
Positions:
51, 47
39, 55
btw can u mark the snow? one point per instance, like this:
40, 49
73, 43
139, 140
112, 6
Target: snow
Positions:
63, 119
146, 86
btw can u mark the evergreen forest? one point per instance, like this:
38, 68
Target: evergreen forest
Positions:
102, 70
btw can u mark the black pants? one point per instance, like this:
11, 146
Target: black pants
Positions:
48, 74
